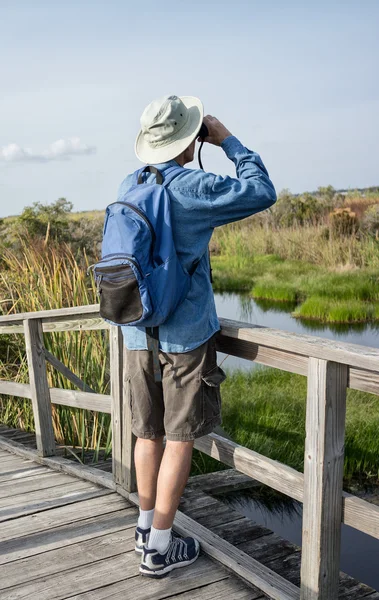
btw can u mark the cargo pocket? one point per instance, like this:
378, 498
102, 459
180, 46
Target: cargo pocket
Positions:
211, 395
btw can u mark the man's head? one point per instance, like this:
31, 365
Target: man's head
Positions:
169, 128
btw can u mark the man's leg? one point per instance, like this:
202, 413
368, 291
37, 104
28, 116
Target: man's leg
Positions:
172, 478
147, 458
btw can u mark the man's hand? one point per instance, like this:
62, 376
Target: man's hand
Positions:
217, 131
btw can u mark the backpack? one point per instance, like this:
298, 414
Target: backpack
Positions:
140, 280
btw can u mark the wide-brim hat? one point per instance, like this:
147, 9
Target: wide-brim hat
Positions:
168, 126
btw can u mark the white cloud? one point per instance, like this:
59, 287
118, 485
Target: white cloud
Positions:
59, 150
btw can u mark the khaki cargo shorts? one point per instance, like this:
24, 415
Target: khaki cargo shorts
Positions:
186, 404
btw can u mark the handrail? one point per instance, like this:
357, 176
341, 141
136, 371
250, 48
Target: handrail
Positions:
331, 367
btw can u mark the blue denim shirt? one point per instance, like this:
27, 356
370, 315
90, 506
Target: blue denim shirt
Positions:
200, 202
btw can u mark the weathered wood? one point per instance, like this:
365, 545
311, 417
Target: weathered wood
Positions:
268, 471
67, 535
323, 475
39, 482
61, 324
90, 401
221, 482
242, 564
357, 513
58, 463
72, 311
66, 372
104, 502
15, 474
191, 580
82, 553
306, 345
128, 437
39, 387
116, 374
11, 388
27, 504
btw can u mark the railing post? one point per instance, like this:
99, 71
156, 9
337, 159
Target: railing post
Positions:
129, 439
39, 388
122, 438
323, 475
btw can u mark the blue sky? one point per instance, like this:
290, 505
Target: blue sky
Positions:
295, 81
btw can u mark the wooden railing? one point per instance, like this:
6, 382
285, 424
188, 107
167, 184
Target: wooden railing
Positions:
331, 367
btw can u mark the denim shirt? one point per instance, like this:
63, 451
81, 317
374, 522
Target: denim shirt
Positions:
201, 201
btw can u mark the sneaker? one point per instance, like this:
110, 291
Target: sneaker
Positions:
180, 553
141, 537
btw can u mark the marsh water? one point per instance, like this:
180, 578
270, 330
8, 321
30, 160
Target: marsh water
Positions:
359, 552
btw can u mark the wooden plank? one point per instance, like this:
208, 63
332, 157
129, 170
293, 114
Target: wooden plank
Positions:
81, 579
222, 590
245, 566
27, 504
23, 572
268, 471
15, 474
61, 324
11, 388
306, 345
116, 373
239, 531
293, 343
90, 401
118, 578
221, 482
101, 503
67, 534
323, 475
38, 482
129, 439
39, 387
66, 372
73, 311
58, 463
194, 577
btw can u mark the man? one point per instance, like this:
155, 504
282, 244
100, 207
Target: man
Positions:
186, 403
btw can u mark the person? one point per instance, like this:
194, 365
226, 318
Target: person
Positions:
186, 403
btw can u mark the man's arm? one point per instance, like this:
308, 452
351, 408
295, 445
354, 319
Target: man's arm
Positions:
252, 191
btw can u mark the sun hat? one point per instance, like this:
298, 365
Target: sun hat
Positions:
168, 126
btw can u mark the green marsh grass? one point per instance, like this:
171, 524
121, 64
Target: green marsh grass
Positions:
264, 410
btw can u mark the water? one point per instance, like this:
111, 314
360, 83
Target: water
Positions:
359, 552
278, 316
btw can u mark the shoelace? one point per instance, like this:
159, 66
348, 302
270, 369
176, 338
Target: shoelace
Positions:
177, 543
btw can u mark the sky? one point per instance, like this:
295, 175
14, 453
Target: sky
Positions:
296, 81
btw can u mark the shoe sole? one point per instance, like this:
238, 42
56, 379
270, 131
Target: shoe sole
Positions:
167, 570
138, 550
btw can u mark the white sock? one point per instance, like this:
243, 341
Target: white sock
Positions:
145, 519
159, 539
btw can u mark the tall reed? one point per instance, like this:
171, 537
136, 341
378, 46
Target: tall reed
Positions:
41, 277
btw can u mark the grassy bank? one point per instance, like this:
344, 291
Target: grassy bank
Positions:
327, 295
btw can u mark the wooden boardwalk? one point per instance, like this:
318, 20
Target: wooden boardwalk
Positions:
62, 537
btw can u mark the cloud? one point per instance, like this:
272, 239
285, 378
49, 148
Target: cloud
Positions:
59, 150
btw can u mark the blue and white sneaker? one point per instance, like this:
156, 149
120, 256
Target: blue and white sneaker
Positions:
141, 537
180, 553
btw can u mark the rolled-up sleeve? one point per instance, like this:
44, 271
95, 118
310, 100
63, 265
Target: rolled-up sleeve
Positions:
233, 199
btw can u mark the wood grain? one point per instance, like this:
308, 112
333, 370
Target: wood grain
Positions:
39, 388
323, 474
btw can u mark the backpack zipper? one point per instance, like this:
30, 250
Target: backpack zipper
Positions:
140, 213
109, 257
